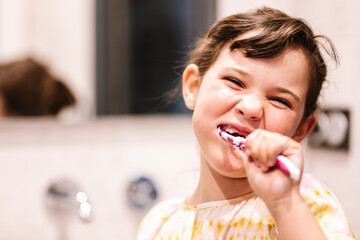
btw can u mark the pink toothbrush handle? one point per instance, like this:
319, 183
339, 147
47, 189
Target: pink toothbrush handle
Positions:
288, 167
284, 164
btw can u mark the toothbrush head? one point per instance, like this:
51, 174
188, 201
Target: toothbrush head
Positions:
236, 141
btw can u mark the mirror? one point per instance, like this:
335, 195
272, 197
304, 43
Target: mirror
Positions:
141, 51
116, 56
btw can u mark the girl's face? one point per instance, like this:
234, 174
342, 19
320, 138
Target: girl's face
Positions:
241, 94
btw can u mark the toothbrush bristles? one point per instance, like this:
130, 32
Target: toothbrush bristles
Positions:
236, 141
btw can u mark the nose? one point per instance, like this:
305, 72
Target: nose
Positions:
251, 107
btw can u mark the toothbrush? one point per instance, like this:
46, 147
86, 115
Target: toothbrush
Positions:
282, 162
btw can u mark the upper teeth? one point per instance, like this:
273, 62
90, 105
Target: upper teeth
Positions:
229, 129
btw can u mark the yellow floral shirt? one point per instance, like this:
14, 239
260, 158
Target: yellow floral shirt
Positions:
246, 217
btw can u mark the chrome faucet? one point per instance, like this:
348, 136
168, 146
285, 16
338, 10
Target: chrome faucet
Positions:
63, 201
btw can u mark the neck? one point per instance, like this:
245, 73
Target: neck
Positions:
214, 186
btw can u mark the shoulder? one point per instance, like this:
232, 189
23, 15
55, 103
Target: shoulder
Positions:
312, 187
164, 208
315, 191
157, 215
325, 207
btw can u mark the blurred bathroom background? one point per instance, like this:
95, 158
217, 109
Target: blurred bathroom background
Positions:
93, 170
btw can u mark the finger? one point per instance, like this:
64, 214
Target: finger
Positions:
242, 156
275, 146
267, 149
249, 164
253, 145
270, 145
294, 153
264, 168
259, 148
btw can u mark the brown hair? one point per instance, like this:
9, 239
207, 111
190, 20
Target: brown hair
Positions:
277, 31
28, 89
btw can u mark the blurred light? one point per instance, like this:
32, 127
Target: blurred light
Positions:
81, 197
85, 210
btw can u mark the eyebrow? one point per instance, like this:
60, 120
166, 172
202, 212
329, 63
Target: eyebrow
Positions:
284, 90
238, 70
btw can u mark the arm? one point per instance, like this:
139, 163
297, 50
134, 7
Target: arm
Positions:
294, 219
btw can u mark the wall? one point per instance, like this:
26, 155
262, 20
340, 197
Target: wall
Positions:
337, 20
101, 157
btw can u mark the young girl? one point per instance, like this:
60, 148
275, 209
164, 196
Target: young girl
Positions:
257, 75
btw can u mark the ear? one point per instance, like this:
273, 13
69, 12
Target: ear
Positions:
190, 85
305, 127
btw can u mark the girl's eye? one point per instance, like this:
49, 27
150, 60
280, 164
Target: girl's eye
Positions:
235, 81
281, 101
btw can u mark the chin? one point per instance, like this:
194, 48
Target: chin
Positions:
234, 174
229, 170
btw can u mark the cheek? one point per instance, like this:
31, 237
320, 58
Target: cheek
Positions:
215, 99
211, 105
285, 124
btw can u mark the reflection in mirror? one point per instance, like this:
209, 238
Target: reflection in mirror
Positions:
141, 52
28, 88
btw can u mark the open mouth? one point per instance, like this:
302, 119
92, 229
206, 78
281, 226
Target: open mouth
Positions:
232, 130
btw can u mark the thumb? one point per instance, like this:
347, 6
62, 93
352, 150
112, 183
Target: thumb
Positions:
243, 157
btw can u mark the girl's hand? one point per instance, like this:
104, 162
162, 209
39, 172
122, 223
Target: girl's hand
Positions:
280, 193
270, 183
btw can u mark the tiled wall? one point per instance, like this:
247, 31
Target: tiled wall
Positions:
102, 157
